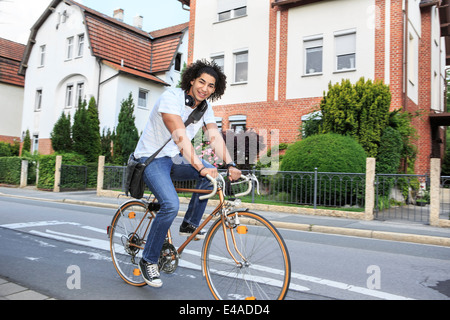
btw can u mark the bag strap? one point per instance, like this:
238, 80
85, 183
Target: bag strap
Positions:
195, 116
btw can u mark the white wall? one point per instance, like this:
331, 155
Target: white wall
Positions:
250, 33
11, 110
326, 18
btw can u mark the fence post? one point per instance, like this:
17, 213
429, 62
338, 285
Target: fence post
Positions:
57, 186
100, 173
315, 188
370, 189
435, 183
24, 174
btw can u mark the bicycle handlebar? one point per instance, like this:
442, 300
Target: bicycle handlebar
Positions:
214, 183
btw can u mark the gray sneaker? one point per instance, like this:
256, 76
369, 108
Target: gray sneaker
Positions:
150, 273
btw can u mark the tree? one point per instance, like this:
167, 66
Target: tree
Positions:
94, 132
26, 142
127, 135
360, 111
80, 130
86, 131
61, 134
106, 141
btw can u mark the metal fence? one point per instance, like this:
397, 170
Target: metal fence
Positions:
316, 189
445, 198
403, 197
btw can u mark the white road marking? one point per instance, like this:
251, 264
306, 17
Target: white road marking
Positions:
104, 245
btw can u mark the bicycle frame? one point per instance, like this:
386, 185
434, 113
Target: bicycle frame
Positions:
208, 194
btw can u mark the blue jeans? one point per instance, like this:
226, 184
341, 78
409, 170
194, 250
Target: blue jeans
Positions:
158, 177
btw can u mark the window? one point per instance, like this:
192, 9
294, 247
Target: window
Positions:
38, 100
241, 67
238, 123
178, 62
219, 123
35, 143
42, 56
230, 9
313, 55
69, 96
80, 45
143, 97
345, 51
220, 61
80, 93
69, 48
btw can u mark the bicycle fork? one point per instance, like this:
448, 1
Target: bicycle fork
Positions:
240, 230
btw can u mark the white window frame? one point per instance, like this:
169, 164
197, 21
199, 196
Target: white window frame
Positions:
79, 92
38, 100
69, 48
219, 59
42, 55
80, 45
235, 66
68, 103
349, 51
238, 121
231, 9
311, 44
143, 103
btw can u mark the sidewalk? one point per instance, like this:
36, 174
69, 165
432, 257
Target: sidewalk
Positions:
13, 291
405, 231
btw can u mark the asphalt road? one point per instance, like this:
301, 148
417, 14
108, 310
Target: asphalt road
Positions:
61, 250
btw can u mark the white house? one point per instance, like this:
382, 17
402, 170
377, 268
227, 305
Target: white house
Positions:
75, 52
11, 90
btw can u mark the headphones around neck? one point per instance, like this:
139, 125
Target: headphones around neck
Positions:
189, 101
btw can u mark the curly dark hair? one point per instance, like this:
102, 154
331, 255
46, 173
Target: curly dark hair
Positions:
199, 67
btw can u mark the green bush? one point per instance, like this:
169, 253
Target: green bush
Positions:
332, 153
10, 168
389, 152
329, 152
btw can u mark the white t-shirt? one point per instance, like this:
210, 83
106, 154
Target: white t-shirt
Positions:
156, 133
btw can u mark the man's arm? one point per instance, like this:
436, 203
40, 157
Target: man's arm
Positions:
176, 127
220, 148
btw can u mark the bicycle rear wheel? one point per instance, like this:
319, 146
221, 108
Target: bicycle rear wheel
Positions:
127, 236
262, 268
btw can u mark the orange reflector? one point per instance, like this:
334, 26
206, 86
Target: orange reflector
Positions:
132, 215
137, 272
250, 298
242, 229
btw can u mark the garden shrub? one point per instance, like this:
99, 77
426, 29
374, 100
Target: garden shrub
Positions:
331, 153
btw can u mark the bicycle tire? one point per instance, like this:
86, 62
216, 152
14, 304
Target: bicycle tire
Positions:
126, 244
265, 269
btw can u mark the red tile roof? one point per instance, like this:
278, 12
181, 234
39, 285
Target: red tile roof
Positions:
11, 54
134, 72
122, 44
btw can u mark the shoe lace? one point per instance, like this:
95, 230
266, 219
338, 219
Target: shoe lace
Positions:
152, 270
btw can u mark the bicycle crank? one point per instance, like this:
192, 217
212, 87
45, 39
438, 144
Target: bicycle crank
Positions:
168, 259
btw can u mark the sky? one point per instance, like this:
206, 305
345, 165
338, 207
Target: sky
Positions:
18, 16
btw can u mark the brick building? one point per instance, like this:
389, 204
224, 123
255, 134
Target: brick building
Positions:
280, 56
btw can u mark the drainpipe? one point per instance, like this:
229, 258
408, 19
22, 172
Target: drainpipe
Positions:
405, 55
99, 80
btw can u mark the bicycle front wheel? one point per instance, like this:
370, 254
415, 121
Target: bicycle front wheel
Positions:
127, 234
246, 258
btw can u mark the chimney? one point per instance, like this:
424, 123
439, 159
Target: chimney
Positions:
138, 21
118, 14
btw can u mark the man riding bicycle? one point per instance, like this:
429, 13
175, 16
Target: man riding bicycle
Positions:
200, 82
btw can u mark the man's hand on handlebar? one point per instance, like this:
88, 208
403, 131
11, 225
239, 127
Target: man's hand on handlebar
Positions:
234, 173
211, 171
